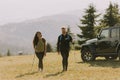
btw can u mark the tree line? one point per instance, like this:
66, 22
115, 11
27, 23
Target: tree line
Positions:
9, 53
91, 23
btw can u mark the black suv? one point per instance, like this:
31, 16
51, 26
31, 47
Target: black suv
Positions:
107, 44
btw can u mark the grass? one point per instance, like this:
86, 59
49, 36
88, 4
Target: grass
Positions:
19, 68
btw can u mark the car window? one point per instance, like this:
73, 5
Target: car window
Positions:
104, 34
118, 32
115, 33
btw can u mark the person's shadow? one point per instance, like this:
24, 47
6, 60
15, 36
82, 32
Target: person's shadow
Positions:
29, 73
54, 74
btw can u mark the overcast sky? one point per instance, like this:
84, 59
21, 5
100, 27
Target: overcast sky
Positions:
19, 10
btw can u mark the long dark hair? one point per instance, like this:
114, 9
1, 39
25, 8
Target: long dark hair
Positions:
36, 39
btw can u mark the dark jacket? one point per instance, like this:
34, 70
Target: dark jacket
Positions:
64, 42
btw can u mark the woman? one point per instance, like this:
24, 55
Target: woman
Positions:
39, 44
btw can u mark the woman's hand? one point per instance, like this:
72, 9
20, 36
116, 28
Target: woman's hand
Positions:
58, 52
45, 53
35, 48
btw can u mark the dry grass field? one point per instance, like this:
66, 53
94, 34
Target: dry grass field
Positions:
19, 68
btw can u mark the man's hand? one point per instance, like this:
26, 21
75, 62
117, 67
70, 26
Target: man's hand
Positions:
73, 42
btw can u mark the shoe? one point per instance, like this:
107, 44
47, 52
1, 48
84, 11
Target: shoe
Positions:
64, 70
40, 70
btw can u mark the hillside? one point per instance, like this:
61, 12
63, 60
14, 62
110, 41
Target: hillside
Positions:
19, 36
19, 68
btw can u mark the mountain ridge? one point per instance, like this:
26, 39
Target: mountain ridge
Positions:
22, 33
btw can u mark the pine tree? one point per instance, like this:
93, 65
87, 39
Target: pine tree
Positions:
72, 35
8, 53
87, 24
69, 32
111, 16
0, 55
49, 48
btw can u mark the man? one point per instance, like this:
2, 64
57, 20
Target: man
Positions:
63, 47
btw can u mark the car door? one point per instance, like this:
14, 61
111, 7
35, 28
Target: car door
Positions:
114, 38
103, 43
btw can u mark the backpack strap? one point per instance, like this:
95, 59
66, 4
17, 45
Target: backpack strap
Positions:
68, 37
43, 40
61, 37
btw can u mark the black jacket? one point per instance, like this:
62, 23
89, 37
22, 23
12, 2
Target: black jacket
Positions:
64, 42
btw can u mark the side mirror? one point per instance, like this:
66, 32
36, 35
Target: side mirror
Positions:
98, 37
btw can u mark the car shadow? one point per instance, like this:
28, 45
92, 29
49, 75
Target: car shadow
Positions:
25, 74
103, 63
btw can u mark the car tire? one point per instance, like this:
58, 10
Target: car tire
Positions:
110, 57
119, 54
87, 55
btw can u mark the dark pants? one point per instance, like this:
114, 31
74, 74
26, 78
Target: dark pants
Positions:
65, 55
40, 56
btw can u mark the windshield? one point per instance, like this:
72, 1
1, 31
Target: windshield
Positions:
104, 34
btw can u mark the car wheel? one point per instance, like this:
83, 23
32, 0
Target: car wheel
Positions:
110, 57
119, 54
87, 55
